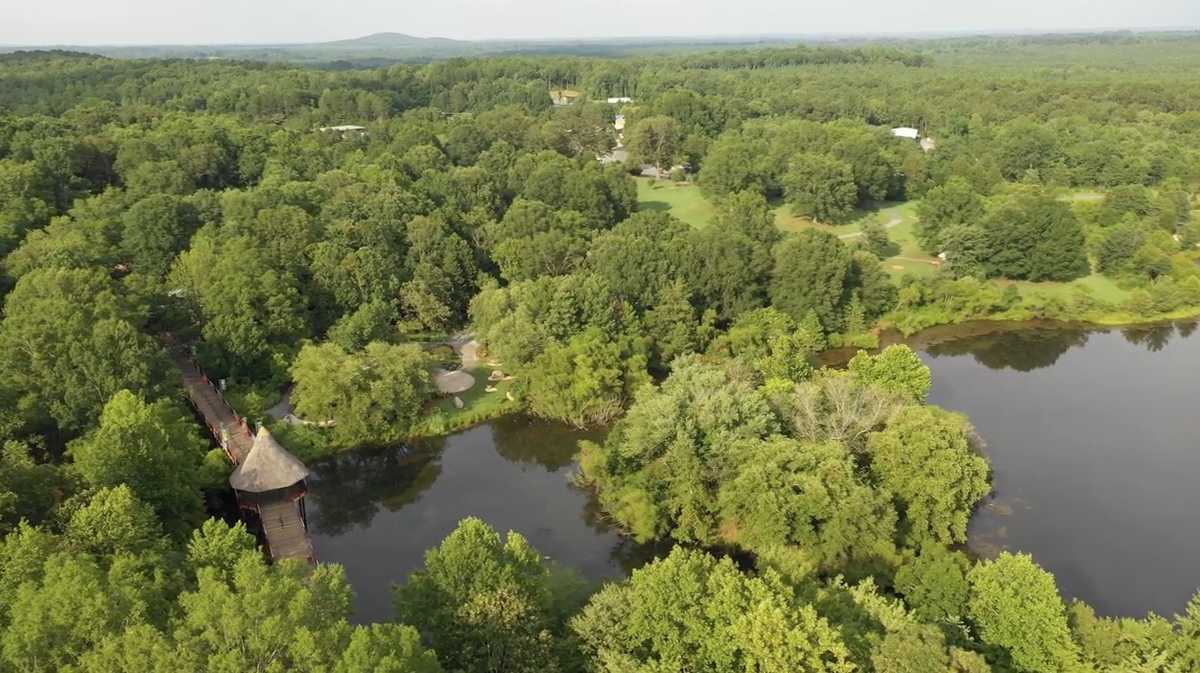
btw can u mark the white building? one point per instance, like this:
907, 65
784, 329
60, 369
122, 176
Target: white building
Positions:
907, 132
619, 123
616, 100
345, 130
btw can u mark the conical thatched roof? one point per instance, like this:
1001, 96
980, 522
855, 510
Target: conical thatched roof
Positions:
267, 467
453, 383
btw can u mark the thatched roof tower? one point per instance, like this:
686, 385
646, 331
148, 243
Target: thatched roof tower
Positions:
268, 467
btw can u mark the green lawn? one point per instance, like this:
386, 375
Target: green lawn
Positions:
884, 212
684, 201
1100, 287
477, 399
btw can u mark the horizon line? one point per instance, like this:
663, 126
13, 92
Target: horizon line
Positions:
910, 35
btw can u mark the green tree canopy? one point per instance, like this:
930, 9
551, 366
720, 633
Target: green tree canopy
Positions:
821, 187
484, 603
953, 204
660, 466
153, 448
925, 458
587, 380
897, 369
1033, 236
809, 275
1018, 611
373, 396
69, 341
691, 612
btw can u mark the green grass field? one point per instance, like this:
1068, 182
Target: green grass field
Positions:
1098, 286
688, 204
684, 201
477, 399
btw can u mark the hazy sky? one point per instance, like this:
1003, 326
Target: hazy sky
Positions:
223, 21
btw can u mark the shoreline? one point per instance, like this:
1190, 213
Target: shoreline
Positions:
888, 335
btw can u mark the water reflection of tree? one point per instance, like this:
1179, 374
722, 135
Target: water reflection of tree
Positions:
521, 439
1153, 337
1022, 351
349, 490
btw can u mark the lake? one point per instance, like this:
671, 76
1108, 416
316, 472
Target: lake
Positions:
376, 512
1094, 438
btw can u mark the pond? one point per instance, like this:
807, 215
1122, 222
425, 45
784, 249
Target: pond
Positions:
376, 512
1094, 438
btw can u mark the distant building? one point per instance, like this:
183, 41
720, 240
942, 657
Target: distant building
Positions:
345, 130
616, 100
906, 132
564, 96
619, 123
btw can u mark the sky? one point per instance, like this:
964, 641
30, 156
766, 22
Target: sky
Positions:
109, 22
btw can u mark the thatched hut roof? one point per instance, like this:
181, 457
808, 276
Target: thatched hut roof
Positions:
267, 467
453, 383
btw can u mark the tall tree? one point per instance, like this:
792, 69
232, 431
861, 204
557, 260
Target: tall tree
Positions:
153, 448
1033, 236
484, 602
809, 275
1018, 610
656, 140
690, 612
69, 342
373, 396
953, 204
821, 187
587, 380
925, 459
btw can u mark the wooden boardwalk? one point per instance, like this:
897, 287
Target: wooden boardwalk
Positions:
229, 429
283, 524
281, 513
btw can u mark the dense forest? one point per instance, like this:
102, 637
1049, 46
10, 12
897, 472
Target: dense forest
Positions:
327, 230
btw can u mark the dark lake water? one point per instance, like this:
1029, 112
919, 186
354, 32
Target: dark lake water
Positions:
1094, 438
376, 512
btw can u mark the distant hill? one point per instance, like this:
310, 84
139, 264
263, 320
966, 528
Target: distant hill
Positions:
384, 48
391, 47
394, 41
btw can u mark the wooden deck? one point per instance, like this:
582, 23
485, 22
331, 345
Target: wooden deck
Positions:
281, 513
283, 524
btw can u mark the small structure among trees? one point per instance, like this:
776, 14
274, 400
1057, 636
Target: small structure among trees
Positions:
268, 467
273, 482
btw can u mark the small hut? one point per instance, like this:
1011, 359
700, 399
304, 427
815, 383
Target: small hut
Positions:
272, 483
267, 468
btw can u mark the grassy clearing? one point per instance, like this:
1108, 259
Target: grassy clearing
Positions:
683, 200
688, 204
443, 416
883, 212
1098, 286
477, 398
